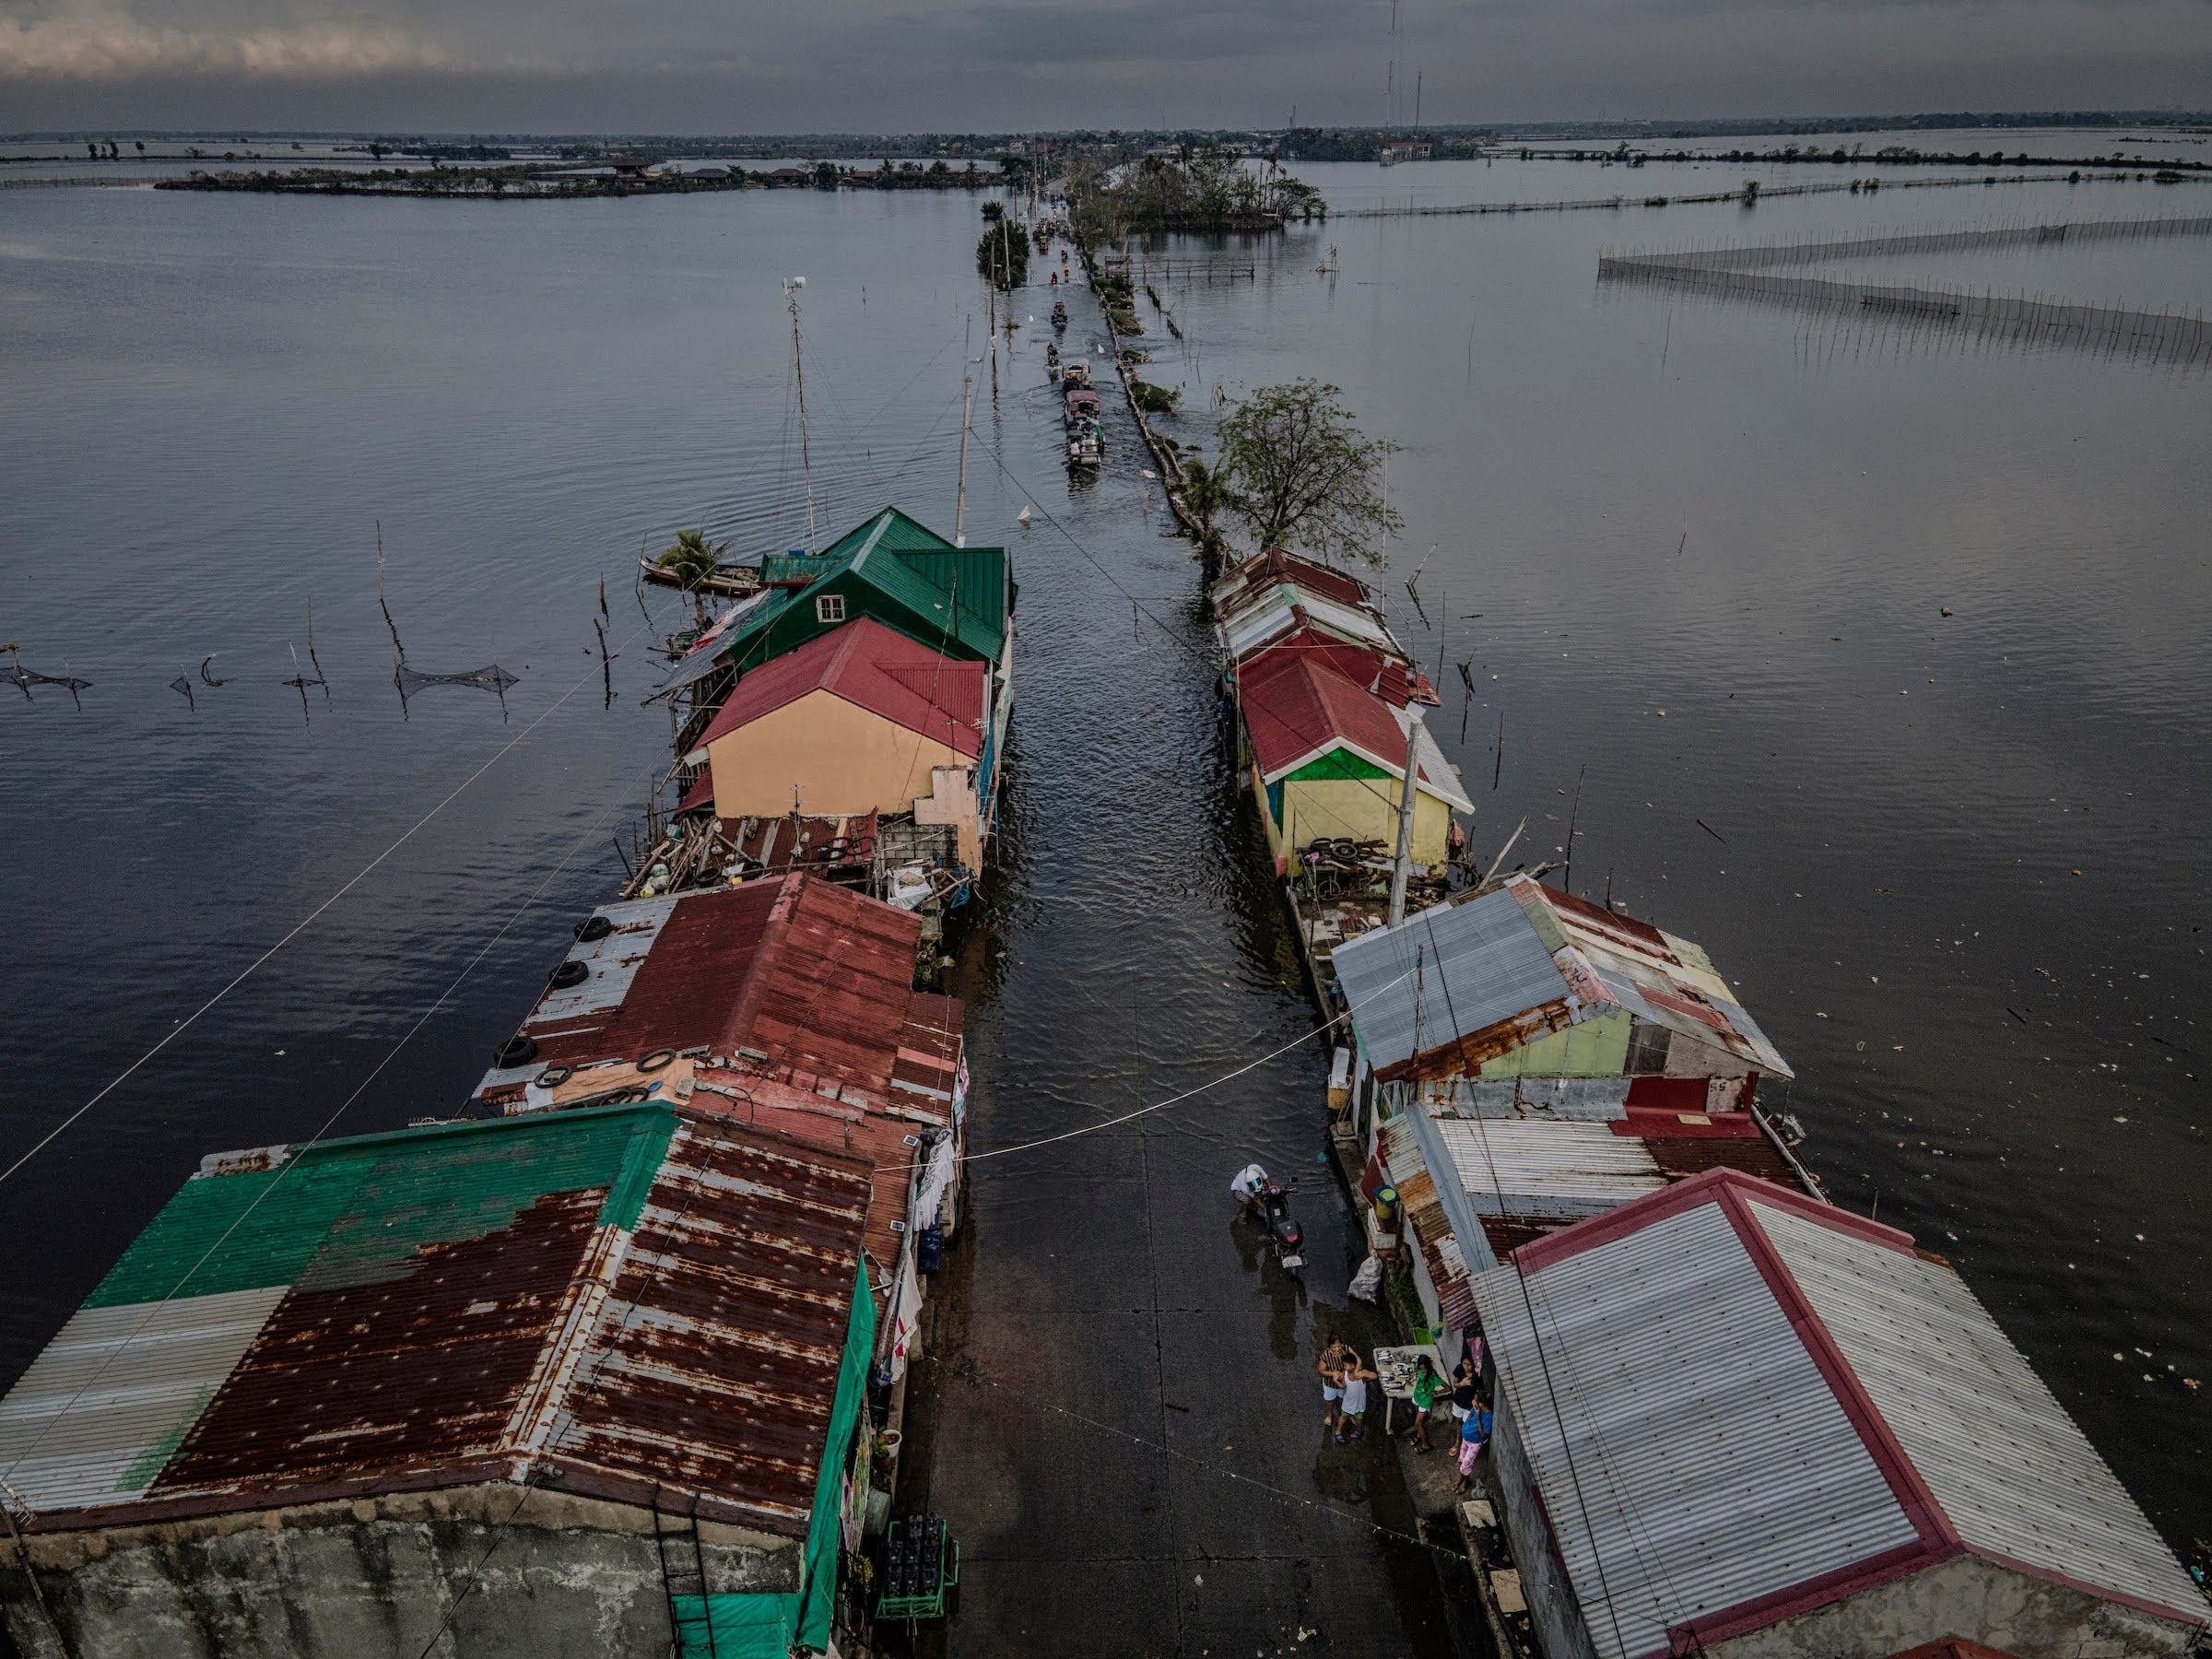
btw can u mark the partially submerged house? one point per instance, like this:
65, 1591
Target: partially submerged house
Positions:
860, 719
787, 1002
956, 601
1520, 979
1328, 763
1522, 1059
1737, 1423
575, 1382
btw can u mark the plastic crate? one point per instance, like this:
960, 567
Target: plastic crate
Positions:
922, 1563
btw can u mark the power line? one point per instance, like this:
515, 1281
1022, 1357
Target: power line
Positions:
298, 927
590, 835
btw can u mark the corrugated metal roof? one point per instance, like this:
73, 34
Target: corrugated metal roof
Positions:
1296, 707
714, 1360
1746, 1404
814, 979
610, 1297
955, 601
1280, 609
1277, 565
105, 1403
1444, 973
2011, 1470
872, 667
1560, 1170
1703, 1461
1510, 965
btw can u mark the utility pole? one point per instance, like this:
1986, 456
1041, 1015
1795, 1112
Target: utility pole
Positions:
959, 510
791, 285
1403, 870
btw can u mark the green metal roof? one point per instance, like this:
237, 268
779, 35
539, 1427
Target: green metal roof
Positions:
954, 600
358, 1209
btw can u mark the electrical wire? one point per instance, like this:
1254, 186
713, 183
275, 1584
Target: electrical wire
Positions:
590, 834
298, 927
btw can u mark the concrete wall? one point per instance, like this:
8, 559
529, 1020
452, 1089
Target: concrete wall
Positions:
372, 1579
1968, 1597
1553, 1607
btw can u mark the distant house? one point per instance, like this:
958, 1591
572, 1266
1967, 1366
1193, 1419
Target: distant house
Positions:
1737, 1423
1328, 759
791, 175
859, 719
329, 1384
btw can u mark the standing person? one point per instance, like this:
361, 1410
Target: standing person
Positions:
1473, 1434
1331, 1367
1426, 1385
1356, 1379
1463, 1389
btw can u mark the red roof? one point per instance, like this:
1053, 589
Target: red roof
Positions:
872, 667
1276, 565
875, 1135
815, 978
1381, 673
1296, 706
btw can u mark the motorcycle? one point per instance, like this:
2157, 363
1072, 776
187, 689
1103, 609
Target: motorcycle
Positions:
1264, 1201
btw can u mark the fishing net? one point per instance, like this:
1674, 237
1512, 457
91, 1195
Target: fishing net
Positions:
494, 678
17, 674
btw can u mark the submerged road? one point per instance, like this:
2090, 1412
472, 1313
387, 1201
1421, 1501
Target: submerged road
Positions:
1117, 1411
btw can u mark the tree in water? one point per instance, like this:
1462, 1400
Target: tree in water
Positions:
1003, 255
692, 556
1294, 468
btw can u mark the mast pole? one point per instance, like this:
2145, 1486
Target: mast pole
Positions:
1401, 868
960, 512
791, 285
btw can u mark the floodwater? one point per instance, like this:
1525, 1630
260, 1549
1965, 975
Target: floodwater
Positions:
1618, 503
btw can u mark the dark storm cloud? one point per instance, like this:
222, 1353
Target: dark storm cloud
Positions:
693, 65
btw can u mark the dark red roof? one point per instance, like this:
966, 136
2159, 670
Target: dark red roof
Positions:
817, 977
1296, 705
1385, 675
1276, 565
872, 667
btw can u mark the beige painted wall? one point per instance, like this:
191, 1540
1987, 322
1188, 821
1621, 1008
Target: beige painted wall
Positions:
839, 758
1365, 809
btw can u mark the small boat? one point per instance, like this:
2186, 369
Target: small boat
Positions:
1059, 314
1083, 449
1077, 372
1051, 361
729, 581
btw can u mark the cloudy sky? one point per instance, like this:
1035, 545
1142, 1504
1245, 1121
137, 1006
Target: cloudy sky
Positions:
872, 66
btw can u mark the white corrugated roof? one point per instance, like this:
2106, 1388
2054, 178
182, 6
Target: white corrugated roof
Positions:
2008, 1465
1710, 1461
85, 1426
1511, 1167
1699, 1457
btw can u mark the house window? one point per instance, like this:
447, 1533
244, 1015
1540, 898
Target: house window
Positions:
829, 608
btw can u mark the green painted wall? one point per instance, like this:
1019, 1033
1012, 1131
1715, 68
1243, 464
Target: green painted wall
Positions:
1597, 1048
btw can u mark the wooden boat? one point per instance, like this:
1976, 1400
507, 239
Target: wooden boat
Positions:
729, 581
1059, 314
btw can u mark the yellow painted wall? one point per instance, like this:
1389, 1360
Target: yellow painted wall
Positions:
1363, 809
842, 760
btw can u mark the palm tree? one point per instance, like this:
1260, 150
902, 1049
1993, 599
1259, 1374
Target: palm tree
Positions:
692, 557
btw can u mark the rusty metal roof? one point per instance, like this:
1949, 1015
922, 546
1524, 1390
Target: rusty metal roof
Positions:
1482, 976
793, 978
605, 1299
